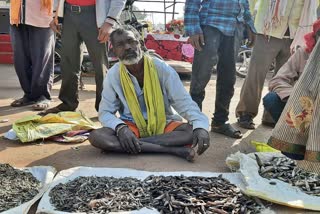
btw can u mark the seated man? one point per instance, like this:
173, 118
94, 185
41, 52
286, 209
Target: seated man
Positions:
143, 90
282, 83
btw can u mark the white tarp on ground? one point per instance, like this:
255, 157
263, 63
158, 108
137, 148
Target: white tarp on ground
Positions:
280, 193
45, 175
70, 174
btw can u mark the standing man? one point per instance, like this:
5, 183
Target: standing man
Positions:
277, 23
143, 90
33, 47
215, 28
91, 22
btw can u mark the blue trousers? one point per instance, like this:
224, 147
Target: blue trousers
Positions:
33, 49
274, 105
220, 50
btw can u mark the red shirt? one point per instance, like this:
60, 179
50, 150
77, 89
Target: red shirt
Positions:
81, 2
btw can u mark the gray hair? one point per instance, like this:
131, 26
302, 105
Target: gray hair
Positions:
122, 30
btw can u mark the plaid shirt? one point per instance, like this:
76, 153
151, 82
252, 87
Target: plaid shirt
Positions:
222, 14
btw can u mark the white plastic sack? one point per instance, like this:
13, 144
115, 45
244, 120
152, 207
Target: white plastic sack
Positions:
45, 175
255, 185
70, 174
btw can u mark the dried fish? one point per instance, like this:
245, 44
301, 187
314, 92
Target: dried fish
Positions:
16, 187
99, 195
181, 194
167, 194
285, 169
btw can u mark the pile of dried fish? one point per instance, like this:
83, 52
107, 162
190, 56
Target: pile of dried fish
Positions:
180, 194
99, 195
16, 187
168, 194
285, 169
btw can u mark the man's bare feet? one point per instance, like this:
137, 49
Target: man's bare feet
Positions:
186, 153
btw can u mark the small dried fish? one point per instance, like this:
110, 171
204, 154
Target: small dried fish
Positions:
99, 195
16, 187
168, 194
198, 195
285, 169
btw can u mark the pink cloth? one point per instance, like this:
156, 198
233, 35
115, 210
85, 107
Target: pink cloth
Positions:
35, 16
282, 83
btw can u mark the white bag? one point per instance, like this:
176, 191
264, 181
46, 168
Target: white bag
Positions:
66, 175
280, 193
45, 175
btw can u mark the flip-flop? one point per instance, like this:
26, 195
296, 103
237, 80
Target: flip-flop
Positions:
246, 124
228, 130
41, 105
53, 110
22, 102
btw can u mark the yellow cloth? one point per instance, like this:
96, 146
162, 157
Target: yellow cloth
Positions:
290, 19
153, 98
15, 9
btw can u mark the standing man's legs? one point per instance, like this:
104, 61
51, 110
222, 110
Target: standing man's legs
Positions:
22, 62
225, 84
97, 51
70, 62
280, 60
263, 54
203, 63
42, 57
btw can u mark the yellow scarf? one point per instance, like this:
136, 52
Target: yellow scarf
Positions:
153, 98
15, 9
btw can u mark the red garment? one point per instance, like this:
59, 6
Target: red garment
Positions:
81, 2
310, 38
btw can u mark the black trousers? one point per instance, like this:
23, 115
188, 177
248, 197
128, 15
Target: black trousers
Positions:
79, 27
220, 50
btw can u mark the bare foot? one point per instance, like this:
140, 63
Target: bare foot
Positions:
186, 153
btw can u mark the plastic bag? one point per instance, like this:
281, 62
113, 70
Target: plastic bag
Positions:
45, 175
263, 147
70, 174
278, 191
35, 127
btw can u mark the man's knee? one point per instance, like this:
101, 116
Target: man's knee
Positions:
270, 100
100, 136
93, 137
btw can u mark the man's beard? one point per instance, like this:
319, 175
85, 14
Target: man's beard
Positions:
133, 60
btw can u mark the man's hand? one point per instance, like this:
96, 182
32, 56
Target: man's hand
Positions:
202, 139
55, 26
104, 32
251, 37
197, 41
128, 141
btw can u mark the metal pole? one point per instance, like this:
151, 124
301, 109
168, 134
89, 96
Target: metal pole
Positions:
173, 9
165, 13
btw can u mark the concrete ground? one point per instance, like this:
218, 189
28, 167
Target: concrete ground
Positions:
63, 156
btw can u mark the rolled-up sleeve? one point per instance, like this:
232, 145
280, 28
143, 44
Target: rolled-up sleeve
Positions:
109, 105
116, 7
191, 17
248, 17
181, 101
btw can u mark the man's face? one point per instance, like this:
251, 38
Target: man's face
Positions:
127, 48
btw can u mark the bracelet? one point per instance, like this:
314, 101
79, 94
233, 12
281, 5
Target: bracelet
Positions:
111, 21
119, 127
